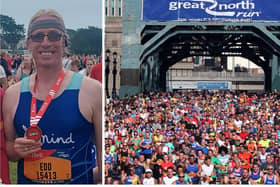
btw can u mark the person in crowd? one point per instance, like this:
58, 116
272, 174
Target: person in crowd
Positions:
3, 78
96, 72
270, 177
75, 65
87, 70
256, 176
26, 68
149, 179
169, 178
130, 177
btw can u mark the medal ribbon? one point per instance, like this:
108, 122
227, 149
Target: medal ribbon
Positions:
35, 117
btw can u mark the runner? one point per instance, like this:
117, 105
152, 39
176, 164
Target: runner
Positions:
63, 132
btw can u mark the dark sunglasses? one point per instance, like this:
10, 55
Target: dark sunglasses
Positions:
53, 36
231, 177
269, 168
181, 176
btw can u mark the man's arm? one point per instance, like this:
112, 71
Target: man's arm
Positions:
97, 121
90, 103
17, 148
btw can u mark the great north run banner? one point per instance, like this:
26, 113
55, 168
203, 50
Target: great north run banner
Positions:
211, 10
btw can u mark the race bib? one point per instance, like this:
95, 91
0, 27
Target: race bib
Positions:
46, 166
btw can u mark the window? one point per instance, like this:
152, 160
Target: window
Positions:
120, 7
106, 7
113, 7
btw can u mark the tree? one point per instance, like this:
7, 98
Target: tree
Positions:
87, 41
11, 32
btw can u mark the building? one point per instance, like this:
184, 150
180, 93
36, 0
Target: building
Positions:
113, 37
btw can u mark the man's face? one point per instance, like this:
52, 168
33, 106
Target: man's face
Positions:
170, 173
89, 65
255, 168
149, 174
46, 53
181, 156
191, 159
181, 177
245, 173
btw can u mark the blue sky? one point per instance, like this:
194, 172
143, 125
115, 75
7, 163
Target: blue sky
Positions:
76, 13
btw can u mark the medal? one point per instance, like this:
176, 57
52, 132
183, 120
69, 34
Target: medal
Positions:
33, 133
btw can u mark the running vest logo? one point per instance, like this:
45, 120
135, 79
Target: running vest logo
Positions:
54, 140
57, 140
242, 9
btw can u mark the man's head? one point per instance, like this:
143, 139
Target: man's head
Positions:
191, 159
89, 65
46, 38
75, 65
231, 178
170, 172
245, 173
107, 149
181, 176
149, 173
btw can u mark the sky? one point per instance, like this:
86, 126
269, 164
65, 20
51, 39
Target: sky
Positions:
76, 13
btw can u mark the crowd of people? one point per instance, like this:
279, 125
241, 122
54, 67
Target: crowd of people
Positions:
14, 68
193, 137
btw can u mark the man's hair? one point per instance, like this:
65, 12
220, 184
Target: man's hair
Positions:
46, 12
75, 63
52, 13
170, 168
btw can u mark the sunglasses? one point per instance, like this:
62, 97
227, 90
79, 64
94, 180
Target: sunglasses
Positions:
53, 36
231, 177
181, 176
270, 169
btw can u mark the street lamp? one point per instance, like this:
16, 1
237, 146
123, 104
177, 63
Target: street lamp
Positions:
107, 70
114, 74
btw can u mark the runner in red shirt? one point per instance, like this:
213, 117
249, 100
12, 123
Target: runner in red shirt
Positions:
96, 72
245, 157
243, 133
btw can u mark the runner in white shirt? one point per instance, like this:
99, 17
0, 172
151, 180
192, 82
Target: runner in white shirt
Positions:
148, 177
207, 170
170, 178
3, 78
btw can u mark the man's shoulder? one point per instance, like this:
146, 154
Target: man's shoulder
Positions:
91, 85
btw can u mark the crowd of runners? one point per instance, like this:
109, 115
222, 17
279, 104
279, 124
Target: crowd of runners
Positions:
193, 137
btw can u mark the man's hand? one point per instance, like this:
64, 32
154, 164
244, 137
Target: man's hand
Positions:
23, 146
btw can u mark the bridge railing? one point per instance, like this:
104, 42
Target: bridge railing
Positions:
191, 75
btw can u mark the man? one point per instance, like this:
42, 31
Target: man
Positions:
269, 161
86, 71
245, 157
149, 179
3, 78
206, 171
192, 169
170, 178
245, 179
67, 62
55, 144
139, 169
96, 72
181, 179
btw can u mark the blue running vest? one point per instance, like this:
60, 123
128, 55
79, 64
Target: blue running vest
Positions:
63, 128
